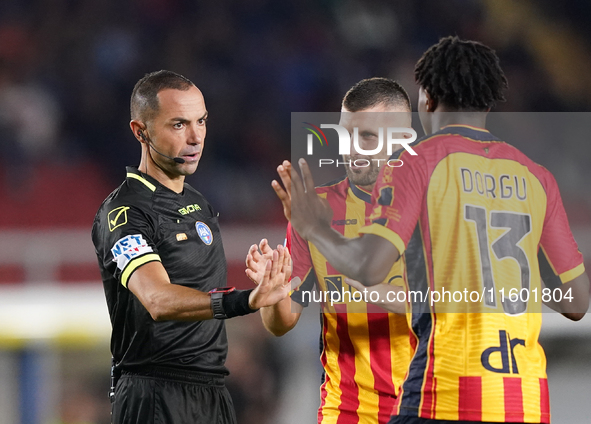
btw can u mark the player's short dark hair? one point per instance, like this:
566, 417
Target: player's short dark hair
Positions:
371, 92
144, 97
461, 74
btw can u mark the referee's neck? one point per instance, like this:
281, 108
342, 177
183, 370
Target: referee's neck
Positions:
168, 178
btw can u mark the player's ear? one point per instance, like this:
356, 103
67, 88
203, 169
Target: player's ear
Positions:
431, 103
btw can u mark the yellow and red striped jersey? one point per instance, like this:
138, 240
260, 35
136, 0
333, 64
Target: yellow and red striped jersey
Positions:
472, 212
365, 351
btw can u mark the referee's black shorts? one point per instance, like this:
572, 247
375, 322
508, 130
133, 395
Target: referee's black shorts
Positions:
172, 397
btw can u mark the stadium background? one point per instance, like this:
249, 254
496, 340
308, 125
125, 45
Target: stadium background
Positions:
67, 68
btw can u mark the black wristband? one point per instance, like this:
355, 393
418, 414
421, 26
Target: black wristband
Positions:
236, 303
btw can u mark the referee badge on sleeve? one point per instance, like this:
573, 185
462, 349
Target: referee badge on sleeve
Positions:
117, 217
204, 232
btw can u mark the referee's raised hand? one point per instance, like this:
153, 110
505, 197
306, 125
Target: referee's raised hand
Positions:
274, 284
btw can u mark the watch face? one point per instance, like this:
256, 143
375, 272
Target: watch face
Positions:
223, 290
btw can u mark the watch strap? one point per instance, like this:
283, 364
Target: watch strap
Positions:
217, 305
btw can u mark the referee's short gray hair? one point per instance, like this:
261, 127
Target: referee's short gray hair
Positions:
144, 97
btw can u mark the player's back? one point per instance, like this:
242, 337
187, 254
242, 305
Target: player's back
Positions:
484, 210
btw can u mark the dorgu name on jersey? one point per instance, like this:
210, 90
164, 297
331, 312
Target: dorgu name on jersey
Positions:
504, 187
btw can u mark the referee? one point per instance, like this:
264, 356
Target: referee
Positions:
164, 271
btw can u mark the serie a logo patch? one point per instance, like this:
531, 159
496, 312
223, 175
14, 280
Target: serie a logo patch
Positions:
204, 232
129, 247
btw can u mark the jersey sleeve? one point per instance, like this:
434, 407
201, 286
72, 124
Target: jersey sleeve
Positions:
397, 199
396, 275
124, 240
302, 265
559, 256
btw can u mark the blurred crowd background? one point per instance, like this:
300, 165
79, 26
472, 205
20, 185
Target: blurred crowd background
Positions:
67, 68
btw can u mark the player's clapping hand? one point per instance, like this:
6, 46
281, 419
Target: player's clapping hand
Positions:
310, 213
273, 283
284, 171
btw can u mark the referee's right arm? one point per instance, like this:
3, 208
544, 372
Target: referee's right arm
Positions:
166, 301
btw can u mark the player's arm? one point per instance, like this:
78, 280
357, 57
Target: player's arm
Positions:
165, 301
367, 259
560, 261
574, 301
281, 317
559, 258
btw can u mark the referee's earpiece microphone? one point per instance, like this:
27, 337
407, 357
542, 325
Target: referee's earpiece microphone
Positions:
148, 142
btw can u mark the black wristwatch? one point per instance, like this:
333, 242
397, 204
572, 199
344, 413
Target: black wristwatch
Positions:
217, 297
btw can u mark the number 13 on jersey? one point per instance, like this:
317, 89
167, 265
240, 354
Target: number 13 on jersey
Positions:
516, 227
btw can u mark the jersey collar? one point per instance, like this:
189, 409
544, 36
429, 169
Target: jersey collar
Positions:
467, 131
466, 126
360, 193
146, 180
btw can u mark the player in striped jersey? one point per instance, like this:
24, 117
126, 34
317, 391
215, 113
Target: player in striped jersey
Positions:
467, 212
365, 351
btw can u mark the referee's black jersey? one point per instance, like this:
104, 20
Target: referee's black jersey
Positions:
143, 221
